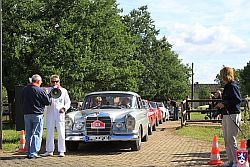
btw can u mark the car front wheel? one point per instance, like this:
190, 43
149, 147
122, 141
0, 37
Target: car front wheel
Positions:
136, 145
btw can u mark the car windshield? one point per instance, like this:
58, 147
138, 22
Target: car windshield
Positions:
160, 104
109, 101
153, 104
145, 104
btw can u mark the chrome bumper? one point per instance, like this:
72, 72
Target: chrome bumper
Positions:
84, 138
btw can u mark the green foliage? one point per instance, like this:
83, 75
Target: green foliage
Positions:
4, 95
91, 47
245, 80
218, 80
163, 73
205, 92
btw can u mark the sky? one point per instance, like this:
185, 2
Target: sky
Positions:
207, 33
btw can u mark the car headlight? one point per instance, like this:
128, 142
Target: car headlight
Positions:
130, 122
79, 125
68, 123
119, 125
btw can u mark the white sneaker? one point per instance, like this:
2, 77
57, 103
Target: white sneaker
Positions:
47, 154
61, 154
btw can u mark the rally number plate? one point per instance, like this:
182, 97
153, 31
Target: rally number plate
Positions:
97, 138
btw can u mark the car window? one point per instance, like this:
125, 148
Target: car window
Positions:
153, 104
139, 103
160, 104
145, 104
109, 101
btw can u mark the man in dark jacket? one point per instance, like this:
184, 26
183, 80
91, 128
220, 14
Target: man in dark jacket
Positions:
34, 100
175, 106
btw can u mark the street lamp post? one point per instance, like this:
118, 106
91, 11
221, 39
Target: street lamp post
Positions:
1, 71
192, 85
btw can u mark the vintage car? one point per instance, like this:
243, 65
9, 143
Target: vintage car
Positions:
151, 116
108, 116
158, 112
164, 110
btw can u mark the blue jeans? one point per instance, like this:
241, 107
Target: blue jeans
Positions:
33, 131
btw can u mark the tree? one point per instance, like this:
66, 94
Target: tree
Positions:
205, 92
84, 42
164, 75
245, 80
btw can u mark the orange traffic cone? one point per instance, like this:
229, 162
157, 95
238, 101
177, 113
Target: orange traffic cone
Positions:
242, 145
22, 148
242, 155
215, 153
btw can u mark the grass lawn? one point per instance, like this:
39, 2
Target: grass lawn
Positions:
206, 133
11, 139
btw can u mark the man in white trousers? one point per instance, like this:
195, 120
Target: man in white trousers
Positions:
55, 117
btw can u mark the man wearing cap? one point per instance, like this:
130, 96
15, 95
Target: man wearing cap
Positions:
34, 99
55, 117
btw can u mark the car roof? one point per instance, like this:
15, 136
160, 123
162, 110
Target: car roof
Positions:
106, 92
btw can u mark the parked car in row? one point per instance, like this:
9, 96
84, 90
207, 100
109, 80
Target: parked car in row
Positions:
164, 110
108, 116
158, 112
151, 116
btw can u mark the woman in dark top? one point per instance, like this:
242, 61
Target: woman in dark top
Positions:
230, 109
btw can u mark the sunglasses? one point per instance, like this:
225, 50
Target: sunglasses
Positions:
54, 81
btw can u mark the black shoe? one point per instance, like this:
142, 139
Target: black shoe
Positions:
34, 156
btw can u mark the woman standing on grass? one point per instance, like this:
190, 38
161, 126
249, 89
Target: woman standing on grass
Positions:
230, 108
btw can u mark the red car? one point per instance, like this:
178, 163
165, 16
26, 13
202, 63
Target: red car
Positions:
158, 112
151, 116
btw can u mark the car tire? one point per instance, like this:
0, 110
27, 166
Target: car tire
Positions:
161, 120
145, 138
71, 145
165, 116
154, 127
156, 122
150, 128
136, 145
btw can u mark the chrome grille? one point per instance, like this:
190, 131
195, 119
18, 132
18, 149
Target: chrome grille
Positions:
105, 131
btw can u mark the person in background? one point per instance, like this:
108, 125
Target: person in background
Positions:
217, 95
188, 107
34, 99
230, 109
173, 103
126, 102
117, 101
55, 117
98, 101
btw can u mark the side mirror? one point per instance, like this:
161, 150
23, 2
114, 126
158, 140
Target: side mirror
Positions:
71, 109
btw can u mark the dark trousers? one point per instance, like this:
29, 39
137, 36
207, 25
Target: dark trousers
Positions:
176, 112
